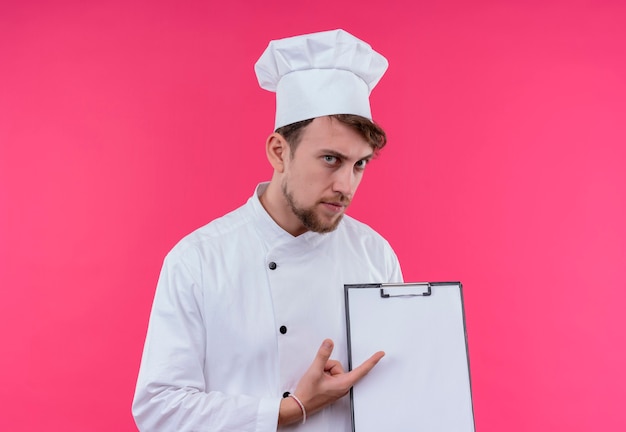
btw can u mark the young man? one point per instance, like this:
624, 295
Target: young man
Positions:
249, 309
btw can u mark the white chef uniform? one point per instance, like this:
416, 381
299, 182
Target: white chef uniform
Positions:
240, 311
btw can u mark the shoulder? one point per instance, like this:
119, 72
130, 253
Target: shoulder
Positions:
359, 230
214, 235
361, 236
358, 242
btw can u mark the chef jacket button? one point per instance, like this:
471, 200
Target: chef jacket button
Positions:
273, 265
286, 394
283, 329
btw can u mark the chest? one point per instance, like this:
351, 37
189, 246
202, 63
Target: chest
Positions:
266, 310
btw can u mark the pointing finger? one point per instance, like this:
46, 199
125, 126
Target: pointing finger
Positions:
360, 371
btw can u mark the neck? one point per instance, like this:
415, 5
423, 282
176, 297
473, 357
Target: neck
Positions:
274, 202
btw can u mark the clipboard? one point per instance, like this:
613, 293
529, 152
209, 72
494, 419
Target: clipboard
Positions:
423, 382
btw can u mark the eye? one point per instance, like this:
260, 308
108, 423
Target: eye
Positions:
361, 164
331, 160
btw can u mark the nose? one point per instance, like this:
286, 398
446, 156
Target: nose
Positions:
345, 181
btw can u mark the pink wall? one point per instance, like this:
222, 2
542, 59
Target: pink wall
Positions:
124, 127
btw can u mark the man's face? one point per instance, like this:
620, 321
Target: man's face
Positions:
321, 177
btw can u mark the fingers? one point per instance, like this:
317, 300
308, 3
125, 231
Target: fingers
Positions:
325, 381
360, 371
323, 354
333, 367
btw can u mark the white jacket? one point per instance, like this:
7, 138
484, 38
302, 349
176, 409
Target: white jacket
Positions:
215, 358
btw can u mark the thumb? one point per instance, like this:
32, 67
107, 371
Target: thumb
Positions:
323, 354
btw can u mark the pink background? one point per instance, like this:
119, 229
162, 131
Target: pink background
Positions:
125, 125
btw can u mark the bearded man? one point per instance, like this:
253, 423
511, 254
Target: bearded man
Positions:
248, 330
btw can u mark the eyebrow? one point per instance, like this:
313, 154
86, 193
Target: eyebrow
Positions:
344, 157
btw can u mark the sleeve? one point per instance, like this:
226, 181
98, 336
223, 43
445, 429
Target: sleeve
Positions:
171, 392
393, 265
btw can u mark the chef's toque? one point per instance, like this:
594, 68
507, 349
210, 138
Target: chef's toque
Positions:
320, 74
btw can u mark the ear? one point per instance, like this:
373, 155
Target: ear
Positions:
277, 150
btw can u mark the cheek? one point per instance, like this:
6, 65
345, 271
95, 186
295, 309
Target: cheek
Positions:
310, 183
302, 187
314, 179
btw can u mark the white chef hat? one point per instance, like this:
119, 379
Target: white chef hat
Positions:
320, 74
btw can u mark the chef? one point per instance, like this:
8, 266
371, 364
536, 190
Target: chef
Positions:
247, 330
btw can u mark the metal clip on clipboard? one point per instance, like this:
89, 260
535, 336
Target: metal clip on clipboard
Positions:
426, 293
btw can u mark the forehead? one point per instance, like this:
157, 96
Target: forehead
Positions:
326, 133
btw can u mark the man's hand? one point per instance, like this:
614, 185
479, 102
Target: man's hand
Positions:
323, 383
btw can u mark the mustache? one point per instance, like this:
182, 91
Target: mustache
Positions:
339, 199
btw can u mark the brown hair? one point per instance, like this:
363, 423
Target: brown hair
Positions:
370, 131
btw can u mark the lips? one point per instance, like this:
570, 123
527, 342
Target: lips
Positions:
335, 206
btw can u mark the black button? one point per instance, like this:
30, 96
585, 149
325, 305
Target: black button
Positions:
283, 329
286, 394
273, 265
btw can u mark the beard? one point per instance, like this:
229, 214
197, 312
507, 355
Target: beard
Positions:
307, 215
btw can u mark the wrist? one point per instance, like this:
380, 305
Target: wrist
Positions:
289, 411
301, 405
